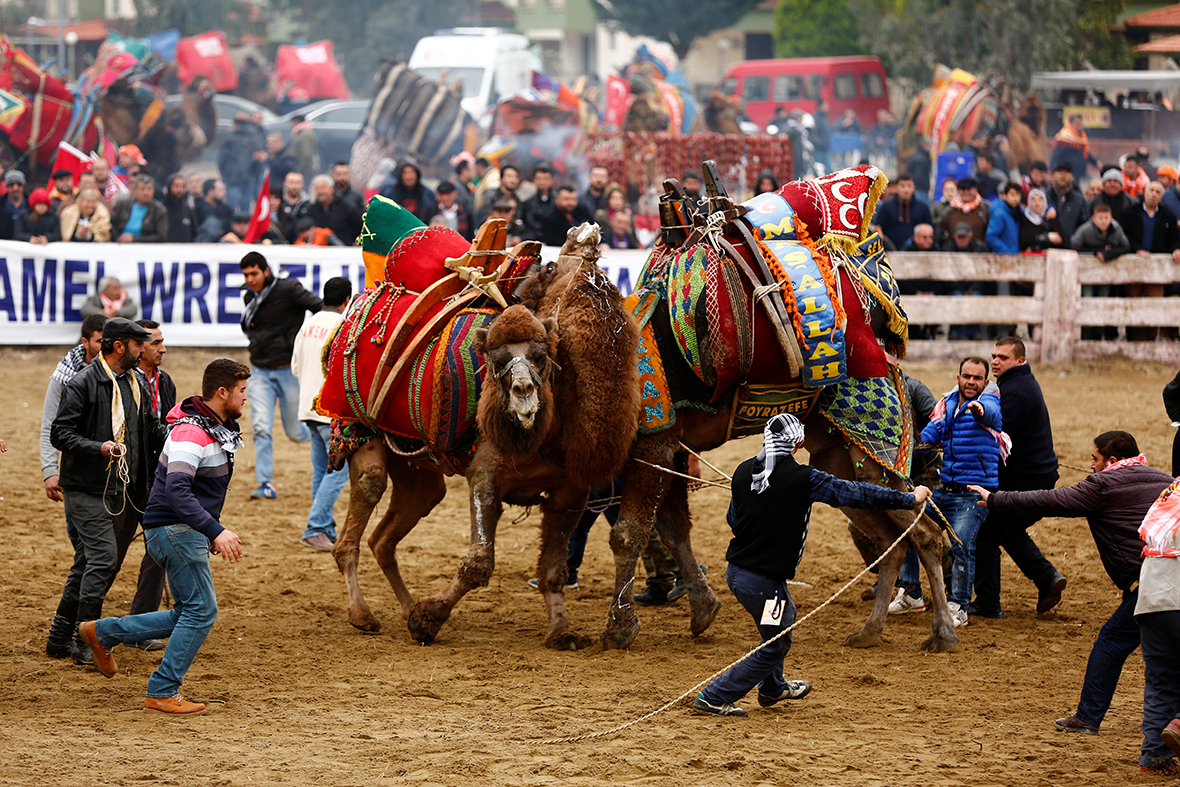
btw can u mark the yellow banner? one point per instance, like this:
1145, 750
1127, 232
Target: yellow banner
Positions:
1092, 117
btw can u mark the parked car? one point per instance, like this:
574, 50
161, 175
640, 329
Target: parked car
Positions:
337, 124
227, 106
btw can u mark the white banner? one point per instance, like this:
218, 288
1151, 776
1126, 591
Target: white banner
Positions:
193, 290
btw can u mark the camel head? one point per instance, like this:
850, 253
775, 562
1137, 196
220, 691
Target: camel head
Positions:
516, 404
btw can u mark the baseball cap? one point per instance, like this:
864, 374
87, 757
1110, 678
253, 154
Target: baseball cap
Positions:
121, 328
962, 229
1168, 172
61, 173
1112, 174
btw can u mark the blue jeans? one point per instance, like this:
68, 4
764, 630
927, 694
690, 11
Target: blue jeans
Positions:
1116, 641
184, 555
965, 518
910, 575
325, 485
765, 668
1161, 688
265, 389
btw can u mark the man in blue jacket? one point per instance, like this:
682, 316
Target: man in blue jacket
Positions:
966, 423
1003, 225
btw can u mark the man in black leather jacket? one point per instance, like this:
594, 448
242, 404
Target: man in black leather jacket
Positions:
108, 455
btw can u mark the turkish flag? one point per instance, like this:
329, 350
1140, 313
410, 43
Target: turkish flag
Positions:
312, 68
618, 96
69, 157
207, 55
260, 217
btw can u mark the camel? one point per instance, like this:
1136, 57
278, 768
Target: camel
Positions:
721, 114
652, 495
543, 441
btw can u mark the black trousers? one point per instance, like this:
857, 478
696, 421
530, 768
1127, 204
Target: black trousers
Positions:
1010, 533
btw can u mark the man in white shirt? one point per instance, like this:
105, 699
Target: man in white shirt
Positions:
305, 364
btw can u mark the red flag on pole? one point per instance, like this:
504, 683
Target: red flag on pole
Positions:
260, 217
69, 157
618, 97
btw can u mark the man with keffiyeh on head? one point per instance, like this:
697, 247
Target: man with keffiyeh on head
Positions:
109, 438
1114, 499
769, 515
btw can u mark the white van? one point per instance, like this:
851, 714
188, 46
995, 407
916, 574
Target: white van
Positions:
493, 64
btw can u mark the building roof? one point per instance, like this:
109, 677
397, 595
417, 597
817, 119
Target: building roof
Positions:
1161, 46
1166, 17
89, 30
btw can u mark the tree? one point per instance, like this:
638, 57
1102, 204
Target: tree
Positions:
677, 22
191, 18
815, 28
1009, 38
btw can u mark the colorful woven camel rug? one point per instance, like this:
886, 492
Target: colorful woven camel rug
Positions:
874, 414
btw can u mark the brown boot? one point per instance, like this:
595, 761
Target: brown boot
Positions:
1171, 735
103, 659
173, 706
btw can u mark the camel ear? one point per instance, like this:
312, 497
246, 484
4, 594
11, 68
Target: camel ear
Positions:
481, 340
550, 324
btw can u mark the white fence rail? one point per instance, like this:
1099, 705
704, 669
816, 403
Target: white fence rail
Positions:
1055, 312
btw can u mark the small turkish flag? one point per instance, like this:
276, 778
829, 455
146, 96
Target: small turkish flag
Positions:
260, 218
69, 157
618, 100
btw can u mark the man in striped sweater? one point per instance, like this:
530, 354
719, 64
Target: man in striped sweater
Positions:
181, 528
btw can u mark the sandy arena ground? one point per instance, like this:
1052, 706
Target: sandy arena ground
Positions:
299, 697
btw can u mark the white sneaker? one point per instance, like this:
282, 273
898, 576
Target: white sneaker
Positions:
960, 617
905, 603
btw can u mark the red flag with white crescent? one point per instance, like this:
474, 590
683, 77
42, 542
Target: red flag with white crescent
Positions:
260, 216
618, 95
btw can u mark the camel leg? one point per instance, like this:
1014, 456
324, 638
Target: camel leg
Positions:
642, 497
416, 491
367, 474
429, 614
561, 512
878, 526
674, 523
927, 540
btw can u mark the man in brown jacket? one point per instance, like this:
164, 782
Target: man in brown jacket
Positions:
1114, 500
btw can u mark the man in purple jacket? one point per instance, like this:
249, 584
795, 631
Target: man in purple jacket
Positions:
1114, 500
180, 528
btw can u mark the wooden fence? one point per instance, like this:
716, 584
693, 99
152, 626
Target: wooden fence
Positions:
1055, 313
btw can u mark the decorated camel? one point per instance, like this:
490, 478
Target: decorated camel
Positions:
743, 316
441, 343
959, 108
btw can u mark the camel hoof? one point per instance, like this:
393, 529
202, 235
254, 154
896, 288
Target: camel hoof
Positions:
863, 639
703, 614
364, 621
425, 620
621, 632
567, 640
940, 643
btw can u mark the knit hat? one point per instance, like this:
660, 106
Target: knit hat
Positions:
1112, 174
1167, 171
38, 197
14, 176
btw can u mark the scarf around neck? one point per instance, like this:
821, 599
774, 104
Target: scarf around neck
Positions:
118, 415
71, 363
1130, 461
256, 301
782, 434
940, 412
1068, 136
1161, 525
966, 207
199, 414
110, 307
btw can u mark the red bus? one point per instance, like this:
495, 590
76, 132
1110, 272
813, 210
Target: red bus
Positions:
856, 83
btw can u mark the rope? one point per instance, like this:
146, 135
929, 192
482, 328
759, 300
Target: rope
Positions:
714, 676
1085, 470
663, 469
766, 289
123, 472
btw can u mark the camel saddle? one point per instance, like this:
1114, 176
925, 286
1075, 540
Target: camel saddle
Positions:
403, 360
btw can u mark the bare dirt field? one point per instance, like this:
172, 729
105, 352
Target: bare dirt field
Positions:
299, 697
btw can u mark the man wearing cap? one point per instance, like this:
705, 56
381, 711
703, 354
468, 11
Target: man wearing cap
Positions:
1065, 197
63, 189
139, 217
15, 204
967, 208
1167, 177
131, 160
1113, 195
109, 437
769, 515
963, 239
450, 210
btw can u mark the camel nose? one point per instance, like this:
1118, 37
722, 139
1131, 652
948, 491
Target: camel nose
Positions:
522, 389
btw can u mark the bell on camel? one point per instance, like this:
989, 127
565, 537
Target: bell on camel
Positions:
386, 224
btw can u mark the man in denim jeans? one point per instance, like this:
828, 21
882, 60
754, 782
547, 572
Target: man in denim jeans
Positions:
180, 528
308, 368
275, 309
966, 423
769, 516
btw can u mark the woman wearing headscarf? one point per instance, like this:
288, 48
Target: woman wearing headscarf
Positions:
768, 514
1039, 227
